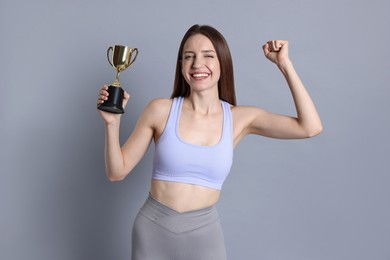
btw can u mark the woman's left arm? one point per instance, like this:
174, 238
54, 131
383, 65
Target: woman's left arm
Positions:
306, 124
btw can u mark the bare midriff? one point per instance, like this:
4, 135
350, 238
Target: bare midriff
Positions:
183, 197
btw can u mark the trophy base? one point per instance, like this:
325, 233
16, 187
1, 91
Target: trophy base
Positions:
114, 103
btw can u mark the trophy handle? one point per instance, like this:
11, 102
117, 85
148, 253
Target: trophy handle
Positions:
108, 56
136, 54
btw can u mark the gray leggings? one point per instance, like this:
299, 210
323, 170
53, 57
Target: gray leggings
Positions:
161, 233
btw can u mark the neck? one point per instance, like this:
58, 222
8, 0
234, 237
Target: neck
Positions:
202, 103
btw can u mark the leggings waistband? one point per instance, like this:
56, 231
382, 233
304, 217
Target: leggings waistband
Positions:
175, 221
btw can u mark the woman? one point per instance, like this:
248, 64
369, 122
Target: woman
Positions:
195, 133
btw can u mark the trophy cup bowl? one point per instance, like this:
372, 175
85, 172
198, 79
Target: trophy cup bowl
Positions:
121, 60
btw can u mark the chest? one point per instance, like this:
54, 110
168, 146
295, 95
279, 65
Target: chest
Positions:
205, 130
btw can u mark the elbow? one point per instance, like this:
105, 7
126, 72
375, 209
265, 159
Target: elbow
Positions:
115, 178
111, 179
315, 131
115, 175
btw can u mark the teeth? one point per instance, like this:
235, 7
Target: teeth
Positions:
199, 75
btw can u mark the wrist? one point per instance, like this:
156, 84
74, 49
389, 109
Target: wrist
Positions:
112, 124
284, 65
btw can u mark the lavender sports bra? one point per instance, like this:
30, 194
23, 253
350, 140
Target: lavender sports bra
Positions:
178, 161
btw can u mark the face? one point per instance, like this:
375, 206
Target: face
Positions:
200, 64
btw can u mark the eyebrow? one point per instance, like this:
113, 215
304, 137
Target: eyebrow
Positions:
204, 51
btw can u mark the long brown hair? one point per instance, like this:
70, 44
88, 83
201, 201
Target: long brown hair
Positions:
226, 81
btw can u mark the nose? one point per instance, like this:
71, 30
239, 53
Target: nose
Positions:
197, 63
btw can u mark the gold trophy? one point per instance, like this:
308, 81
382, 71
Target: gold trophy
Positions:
121, 60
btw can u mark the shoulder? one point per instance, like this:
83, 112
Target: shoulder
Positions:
157, 110
246, 112
159, 104
244, 117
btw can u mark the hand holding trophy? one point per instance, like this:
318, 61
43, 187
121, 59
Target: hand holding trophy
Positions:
121, 60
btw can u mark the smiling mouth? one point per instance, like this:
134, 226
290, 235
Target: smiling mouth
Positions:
200, 75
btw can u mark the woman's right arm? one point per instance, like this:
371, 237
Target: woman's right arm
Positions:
121, 160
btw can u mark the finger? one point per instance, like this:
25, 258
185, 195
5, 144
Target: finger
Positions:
102, 98
266, 48
268, 45
281, 43
274, 46
104, 90
99, 101
284, 48
271, 45
278, 44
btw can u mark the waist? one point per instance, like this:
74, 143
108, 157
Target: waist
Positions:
177, 222
183, 197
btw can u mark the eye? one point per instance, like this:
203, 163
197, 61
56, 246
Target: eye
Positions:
187, 57
209, 56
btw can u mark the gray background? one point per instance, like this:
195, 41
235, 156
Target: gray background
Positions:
322, 198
